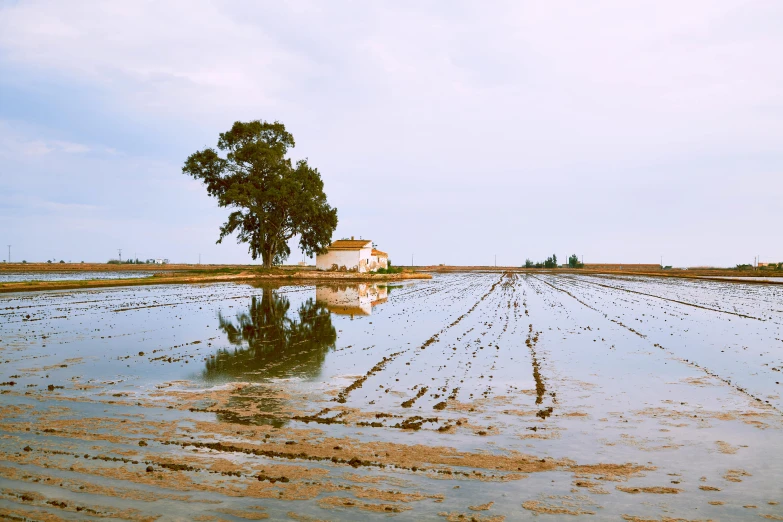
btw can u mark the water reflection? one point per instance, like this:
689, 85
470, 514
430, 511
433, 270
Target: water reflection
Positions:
271, 342
351, 300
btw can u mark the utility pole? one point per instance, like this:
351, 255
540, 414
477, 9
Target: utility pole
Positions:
119, 252
199, 259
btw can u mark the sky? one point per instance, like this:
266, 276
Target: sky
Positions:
447, 132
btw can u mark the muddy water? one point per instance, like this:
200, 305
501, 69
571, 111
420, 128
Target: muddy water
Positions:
468, 396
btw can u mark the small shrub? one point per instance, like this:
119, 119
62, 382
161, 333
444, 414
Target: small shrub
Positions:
389, 269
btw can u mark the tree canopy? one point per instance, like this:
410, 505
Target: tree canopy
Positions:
272, 199
573, 261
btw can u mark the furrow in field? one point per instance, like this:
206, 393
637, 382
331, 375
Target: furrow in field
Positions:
611, 287
673, 355
358, 383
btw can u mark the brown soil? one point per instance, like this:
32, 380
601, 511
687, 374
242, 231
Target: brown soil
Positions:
343, 502
537, 506
482, 507
456, 516
658, 490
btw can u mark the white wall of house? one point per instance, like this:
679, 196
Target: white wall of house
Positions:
358, 260
377, 262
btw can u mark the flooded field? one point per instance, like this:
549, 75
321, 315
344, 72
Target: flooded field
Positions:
472, 396
18, 277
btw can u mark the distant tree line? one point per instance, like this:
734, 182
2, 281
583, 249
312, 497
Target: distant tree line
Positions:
771, 266
551, 262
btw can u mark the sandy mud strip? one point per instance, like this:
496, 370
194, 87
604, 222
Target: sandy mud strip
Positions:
480, 397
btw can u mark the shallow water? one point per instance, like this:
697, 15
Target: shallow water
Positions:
749, 278
474, 395
21, 277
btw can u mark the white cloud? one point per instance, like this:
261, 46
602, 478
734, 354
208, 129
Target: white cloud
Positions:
18, 139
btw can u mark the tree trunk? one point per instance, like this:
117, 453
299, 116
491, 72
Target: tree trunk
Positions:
267, 257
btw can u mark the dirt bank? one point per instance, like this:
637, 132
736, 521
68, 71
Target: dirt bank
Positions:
212, 276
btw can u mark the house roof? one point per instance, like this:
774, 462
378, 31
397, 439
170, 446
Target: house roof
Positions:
376, 252
350, 244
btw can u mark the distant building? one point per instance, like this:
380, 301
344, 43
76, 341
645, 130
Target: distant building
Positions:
356, 255
157, 261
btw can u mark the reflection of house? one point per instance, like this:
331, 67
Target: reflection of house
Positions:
352, 254
351, 300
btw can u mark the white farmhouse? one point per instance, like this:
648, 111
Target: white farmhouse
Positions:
352, 254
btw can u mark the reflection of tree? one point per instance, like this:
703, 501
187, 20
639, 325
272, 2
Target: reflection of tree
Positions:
273, 343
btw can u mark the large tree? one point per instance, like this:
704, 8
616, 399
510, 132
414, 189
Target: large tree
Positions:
272, 199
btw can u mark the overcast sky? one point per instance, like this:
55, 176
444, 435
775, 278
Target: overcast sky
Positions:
454, 131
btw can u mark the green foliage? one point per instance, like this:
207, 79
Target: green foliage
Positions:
573, 262
744, 267
528, 263
113, 262
61, 261
389, 269
551, 262
272, 199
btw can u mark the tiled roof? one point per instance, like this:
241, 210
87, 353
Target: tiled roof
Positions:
350, 244
379, 253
